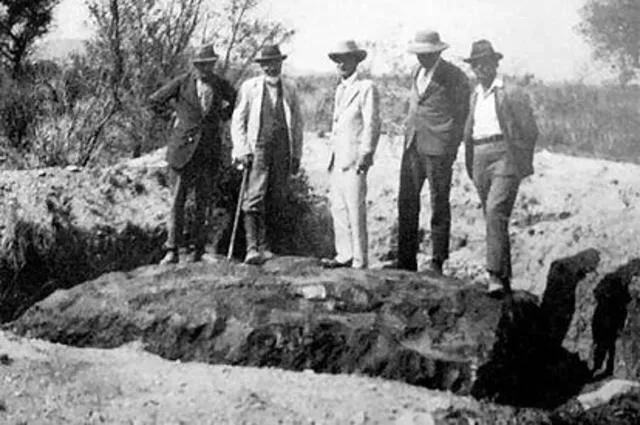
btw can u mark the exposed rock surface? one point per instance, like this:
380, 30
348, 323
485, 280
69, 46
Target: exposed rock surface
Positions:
414, 327
397, 325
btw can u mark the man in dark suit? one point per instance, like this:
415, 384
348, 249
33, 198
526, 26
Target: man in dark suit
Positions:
202, 101
500, 136
437, 112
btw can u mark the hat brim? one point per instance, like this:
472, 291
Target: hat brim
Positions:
359, 54
270, 58
426, 47
496, 55
205, 60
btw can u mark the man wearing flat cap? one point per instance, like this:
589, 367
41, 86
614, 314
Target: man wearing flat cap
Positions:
354, 137
202, 101
500, 136
266, 131
439, 104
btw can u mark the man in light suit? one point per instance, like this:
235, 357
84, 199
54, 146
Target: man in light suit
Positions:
500, 136
202, 101
266, 131
354, 137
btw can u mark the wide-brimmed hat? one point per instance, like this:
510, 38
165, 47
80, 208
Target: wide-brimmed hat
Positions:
205, 55
347, 48
426, 42
482, 49
270, 52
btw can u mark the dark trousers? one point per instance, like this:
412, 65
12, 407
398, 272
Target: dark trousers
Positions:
197, 175
415, 168
498, 191
268, 182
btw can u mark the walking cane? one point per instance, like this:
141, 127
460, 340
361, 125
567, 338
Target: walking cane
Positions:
236, 219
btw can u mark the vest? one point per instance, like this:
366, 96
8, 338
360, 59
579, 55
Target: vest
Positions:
273, 136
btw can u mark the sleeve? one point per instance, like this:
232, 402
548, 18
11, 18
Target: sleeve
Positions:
524, 116
298, 125
239, 121
166, 92
371, 119
462, 100
229, 96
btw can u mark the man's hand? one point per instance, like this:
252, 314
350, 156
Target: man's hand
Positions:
364, 162
244, 161
295, 165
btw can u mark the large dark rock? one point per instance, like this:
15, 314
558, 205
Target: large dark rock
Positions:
289, 314
414, 327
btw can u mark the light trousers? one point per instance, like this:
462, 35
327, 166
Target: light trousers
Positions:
348, 199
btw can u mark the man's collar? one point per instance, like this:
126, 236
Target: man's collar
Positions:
498, 82
350, 80
433, 67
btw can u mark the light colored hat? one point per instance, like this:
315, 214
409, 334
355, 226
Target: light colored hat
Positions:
347, 48
482, 49
426, 42
206, 55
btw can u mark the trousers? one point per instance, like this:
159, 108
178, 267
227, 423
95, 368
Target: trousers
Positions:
349, 213
497, 190
415, 169
198, 176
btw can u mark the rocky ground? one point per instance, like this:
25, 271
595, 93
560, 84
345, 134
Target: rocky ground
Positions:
569, 205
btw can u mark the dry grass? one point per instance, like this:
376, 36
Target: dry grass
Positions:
596, 121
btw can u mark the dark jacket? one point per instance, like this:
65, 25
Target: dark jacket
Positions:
436, 117
193, 127
518, 125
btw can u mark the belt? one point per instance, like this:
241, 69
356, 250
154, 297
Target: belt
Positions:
490, 139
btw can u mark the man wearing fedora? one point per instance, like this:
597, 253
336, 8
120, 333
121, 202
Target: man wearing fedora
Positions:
202, 101
438, 108
354, 137
266, 131
500, 136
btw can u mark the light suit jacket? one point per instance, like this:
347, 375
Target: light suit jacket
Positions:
245, 122
356, 124
518, 126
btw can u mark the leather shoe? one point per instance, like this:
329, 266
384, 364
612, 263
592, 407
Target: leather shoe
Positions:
253, 257
171, 257
332, 263
435, 267
267, 255
196, 255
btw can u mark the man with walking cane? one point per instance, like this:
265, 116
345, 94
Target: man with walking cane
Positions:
202, 101
266, 131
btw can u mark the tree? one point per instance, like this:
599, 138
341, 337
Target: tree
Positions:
612, 27
22, 22
239, 33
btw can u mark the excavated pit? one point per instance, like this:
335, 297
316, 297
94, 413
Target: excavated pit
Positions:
413, 327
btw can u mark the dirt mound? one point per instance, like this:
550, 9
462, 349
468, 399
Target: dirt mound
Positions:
569, 205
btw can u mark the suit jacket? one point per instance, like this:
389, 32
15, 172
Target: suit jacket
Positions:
437, 116
518, 125
195, 126
356, 123
245, 123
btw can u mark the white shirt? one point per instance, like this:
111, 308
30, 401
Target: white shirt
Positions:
205, 94
424, 77
485, 117
343, 86
272, 91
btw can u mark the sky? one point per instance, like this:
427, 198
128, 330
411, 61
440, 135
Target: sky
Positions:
535, 36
